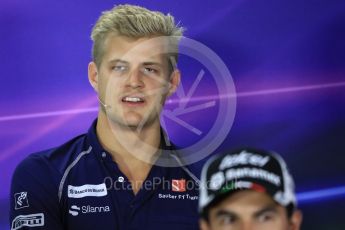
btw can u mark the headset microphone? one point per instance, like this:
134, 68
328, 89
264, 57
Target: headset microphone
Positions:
104, 105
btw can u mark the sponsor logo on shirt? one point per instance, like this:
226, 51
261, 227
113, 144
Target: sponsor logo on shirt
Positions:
178, 185
21, 200
75, 210
177, 197
87, 190
32, 220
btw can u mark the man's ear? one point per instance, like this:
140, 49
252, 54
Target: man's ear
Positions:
296, 220
175, 79
93, 75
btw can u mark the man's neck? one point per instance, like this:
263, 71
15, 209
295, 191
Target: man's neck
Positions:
132, 149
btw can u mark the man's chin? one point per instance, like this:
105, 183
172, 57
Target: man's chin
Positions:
133, 122
137, 125
134, 126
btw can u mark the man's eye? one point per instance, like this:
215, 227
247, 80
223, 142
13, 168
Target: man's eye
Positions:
226, 220
266, 217
119, 68
149, 70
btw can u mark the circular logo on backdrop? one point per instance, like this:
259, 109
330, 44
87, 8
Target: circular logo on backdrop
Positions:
192, 113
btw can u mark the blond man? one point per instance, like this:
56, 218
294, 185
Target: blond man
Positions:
117, 175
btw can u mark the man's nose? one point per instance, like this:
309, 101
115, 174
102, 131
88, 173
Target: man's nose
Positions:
135, 79
247, 226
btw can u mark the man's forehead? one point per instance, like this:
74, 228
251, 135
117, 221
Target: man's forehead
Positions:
247, 200
127, 45
137, 52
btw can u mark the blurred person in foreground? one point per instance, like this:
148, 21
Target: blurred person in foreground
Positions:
247, 189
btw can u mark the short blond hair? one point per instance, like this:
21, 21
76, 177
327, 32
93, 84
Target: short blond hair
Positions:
132, 21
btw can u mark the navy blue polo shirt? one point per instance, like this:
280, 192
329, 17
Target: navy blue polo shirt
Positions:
79, 186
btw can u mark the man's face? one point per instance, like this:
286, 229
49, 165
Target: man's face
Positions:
133, 80
250, 210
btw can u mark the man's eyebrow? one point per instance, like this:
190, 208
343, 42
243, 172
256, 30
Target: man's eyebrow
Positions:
268, 208
118, 61
223, 212
152, 63
113, 61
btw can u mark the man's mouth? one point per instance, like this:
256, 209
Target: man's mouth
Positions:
133, 100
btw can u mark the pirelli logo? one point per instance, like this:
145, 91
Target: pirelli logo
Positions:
32, 220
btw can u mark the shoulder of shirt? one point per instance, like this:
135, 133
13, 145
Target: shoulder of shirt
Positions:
54, 160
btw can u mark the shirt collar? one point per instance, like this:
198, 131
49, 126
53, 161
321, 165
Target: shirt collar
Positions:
93, 140
165, 144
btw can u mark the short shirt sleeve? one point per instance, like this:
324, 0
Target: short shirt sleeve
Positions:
34, 200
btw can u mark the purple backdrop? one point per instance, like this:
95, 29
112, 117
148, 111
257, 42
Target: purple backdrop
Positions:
287, 60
